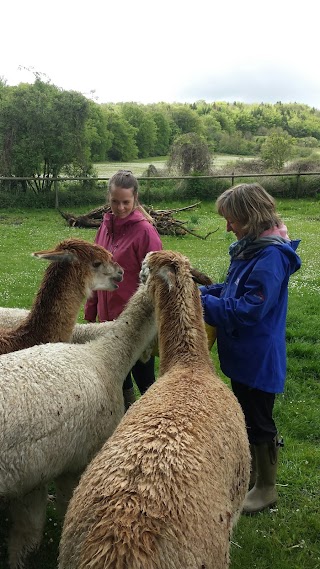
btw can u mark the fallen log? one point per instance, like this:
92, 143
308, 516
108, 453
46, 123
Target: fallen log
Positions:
80, 220
164, 221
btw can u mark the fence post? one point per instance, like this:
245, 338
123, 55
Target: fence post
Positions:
149, 173
298, 183
232, 179
56, 191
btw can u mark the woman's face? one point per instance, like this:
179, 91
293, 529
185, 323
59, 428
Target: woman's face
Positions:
122, 201
236, 227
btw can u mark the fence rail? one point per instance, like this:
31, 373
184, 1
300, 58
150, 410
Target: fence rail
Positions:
232, 175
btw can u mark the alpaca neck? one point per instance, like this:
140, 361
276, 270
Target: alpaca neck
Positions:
57, 303
181, 332
133, 332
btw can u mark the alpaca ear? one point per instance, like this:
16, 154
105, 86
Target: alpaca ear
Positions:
167, 274
200, 278
57, 256
144, 272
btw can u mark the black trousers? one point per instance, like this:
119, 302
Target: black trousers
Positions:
257, 407
143, 374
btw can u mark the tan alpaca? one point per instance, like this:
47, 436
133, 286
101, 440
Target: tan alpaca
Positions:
167, 487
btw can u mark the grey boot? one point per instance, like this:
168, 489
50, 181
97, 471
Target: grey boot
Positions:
253, 469
129, 397
264, 493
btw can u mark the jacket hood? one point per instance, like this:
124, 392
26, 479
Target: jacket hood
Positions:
112, 221
247, 248
288, 248
295, 261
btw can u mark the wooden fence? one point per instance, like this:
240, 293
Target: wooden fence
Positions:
232, 177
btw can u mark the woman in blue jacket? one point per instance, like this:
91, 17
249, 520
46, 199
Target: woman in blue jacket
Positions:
249, 310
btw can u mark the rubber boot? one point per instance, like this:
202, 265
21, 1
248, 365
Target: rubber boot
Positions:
129, 397
264, 493
253, 469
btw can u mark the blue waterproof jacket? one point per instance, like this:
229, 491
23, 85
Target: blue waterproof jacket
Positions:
249, 310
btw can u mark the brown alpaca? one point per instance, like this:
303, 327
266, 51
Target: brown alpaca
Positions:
77, 268
167, 487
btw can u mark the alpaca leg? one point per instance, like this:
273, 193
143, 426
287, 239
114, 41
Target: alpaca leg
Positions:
65, 484
28, 516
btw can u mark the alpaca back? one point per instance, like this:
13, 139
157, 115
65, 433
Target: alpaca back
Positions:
78, 389
171, 492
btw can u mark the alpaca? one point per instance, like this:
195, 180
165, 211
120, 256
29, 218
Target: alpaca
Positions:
12, 317
77, 268
58, 405
166, 489
81, 333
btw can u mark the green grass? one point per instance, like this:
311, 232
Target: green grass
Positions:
139, 166
288, 536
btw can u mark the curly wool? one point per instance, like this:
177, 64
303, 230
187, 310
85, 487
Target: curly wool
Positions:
58, 405
167, 488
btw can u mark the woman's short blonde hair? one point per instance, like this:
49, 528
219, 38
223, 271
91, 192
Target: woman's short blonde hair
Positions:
250, 205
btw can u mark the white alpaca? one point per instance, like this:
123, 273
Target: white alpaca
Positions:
12, 317
77, 268
167, 487
58, 405
81, 333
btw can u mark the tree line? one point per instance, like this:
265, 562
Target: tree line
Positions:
45, 131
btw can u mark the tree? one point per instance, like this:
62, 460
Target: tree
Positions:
147, 136
235, 144
97, 133
42, 131
224, 113
189, 154
277, 149
66, 141
146, 129
211, 129
163, 133
123, 147
186, 119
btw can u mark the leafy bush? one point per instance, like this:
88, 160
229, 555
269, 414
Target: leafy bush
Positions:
189, 154
243, 167
202, 189
310, 164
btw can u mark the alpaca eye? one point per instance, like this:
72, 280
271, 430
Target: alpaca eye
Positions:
96, 264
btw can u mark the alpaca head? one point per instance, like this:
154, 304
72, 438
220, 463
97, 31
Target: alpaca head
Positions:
171, 283
166, 265
102, 273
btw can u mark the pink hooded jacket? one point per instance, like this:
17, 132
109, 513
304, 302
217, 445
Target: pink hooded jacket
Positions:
129, 240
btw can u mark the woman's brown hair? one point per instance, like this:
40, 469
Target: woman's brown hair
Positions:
125, 179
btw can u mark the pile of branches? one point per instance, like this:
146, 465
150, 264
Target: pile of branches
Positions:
163, 220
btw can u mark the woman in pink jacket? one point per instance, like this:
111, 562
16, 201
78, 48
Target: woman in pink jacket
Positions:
128, 233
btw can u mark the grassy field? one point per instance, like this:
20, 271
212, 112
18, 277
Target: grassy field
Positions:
138, 167
288, 536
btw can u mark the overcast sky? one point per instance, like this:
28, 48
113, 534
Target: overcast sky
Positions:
171, 50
